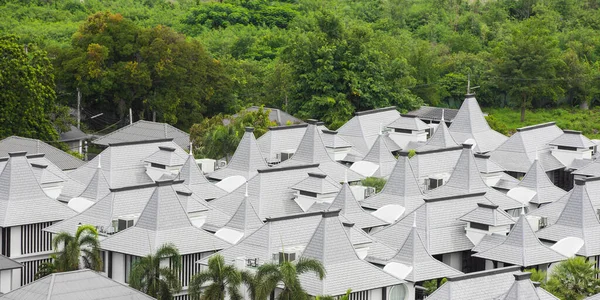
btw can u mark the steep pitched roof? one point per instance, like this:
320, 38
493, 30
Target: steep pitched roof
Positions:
401, 188
277, 115
312, 151
470, 123
58, 157
22, 200
163, 220
245, 161
523, 289
76, 285
432, 113
245, 219
408, 122
486, 165
317, 183
432, 162
381, 155
483, 285
437, 222
145, 131
440, 139
332, 140
362, 130
537, 180
8, 264
572, 138
591, 169
488, 215
98, 187
522, 247
518, 152
280, 138
166, 156
424, 267
577, 219
195, 180
351, 210
331, 246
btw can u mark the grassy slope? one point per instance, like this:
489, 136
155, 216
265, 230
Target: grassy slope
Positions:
506, 120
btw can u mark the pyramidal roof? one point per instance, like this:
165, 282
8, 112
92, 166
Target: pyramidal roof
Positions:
351, 209
331, 245
317, 183
381, 155
523, 289
22, 200
165, 156
408, 122
414, 253
246, 159
522, 247
440, 139
98, 186
470, 123
195, 180
311, 149
537, 180
163, 220
401, 188
245, 219
572, 138
577, 219
489, 215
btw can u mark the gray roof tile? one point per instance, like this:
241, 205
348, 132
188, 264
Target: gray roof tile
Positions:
317, 183
166, 156
431, 113
332, 140
8, 264
279, 139
382, 156
76, 285
440, 139
592, 169
537, 180
351, 210
145, 131
483, 285
245, 219
522, 247
58, 157
246, 160
488, 215
408, 122
523, 289
571, 138
429, 163
195, 180
362, 130
470, 123
487, 165
22, 200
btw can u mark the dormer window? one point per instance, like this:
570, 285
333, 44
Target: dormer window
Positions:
308, 194
158, 166
479, 226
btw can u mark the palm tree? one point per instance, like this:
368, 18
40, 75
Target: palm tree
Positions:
573, 279
147, 274
224, 280
70, 251
287, 273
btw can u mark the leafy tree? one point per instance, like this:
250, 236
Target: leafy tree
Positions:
224, 281
28, 97
574, 279
287, 272
72, 252
433, 284
528, 61
149, 276
376, 182
344, 297
537, 275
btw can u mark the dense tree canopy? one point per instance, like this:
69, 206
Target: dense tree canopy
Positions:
180, 61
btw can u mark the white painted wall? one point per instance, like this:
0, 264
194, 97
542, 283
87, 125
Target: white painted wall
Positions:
5, 281
118, 267
402, 139
566, 157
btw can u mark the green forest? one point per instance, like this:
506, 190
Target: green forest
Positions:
185, 61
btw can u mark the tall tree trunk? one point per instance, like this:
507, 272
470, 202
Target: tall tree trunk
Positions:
523, 106
584, 104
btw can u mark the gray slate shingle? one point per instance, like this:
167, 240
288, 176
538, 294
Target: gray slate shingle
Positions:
362, 130
145, 131
195, 180
537, 180
381, 155
351, 210
483, 285
58, 157
246, 160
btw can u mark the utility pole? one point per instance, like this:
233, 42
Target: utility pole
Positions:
130, 117
78, 109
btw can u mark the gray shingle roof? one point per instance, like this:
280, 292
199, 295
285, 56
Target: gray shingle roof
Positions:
74, 134
572, 138
75, 285
332, 140
145, 131
8, 264
431, 113
486, 165
537, 180
382, 156
122, 164
58, 157
195, 180
552, 210
523, 289
442, 161
163, 220
98, 187
317, 183
362, 130
577, 219
594, 297
331, 245
470, 123
413, 253
408, 122
483, 285
277, 115
489, 241
401, 188
22, 200
245, 161
519, 151
488, 215
351, 210
282, 138
166, 156
440, 139
438, 224
521, 247
592, 169
312, 151
245, 219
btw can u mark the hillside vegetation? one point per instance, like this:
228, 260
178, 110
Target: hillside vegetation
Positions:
180, 61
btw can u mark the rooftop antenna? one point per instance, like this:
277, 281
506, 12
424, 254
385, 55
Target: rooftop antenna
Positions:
415, 220
443, 110
380, 129
523, 209
99, 159
191, 149
246, 194
469, 88
536, 154
346, 176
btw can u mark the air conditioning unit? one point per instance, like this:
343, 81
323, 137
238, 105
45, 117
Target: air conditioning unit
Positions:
221, 164
124, 222
433, 183
290, 255
252, 262
543, 222
285, 156
369, 191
